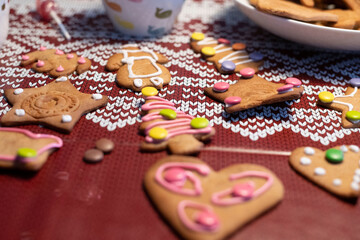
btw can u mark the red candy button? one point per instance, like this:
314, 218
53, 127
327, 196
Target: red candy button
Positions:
229, 101
285, 88
293, 81
223, 41
221, 87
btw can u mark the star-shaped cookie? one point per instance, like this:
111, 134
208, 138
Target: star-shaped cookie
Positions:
57, 105
348, 104
253, 92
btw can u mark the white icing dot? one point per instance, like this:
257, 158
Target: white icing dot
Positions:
138, 82
354, 148
61, 79
356, 178
319, 171
18, 91
20, 112
337, 182
309, 151
355, 186
97, 96
343, 148
305, 161
357, 171
66, 118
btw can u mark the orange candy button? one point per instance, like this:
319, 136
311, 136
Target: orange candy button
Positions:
238, 46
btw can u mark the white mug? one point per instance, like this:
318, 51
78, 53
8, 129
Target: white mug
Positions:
144, 18
4, 20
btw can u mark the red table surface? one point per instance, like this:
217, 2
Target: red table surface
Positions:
70, 199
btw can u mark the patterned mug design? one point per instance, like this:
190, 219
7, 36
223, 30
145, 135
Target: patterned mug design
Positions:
162, 14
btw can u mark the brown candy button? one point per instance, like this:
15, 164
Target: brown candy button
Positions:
238, 46
105, 145
93, 156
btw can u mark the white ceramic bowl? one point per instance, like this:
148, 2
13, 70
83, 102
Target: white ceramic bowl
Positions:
301, 32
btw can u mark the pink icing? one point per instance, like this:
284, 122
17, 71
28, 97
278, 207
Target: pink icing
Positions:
229, 101
221, 87
223, 41
176, 186
205, 220
57, 144
40, 63
285, 88
42, 48
154, 115
25, 57
293, 81
60, 69
219, 198
81, 60
244, 190
160, 104
59, 52
70, 56
247, 72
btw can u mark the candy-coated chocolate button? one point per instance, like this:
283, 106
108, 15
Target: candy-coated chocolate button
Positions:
285, 88
223, 41
158, 133
228, 66
238, 46
207, 219
168, 113
197, 36
208, 51
334, 155
256, 56
105, 145
353, 115
149, 91
175, 175
26, 152
93, 156
221, 87
355, 82
232, 100
326, 97
293, 81
199, 123
247, 72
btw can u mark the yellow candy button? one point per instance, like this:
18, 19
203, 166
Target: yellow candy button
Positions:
158, 133
197, 36
326, 97
208, 51
149, 91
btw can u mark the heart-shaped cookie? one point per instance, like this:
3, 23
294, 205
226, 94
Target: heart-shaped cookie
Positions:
203, 204
336, 169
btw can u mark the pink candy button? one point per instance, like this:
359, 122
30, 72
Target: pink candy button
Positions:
175, 175
25, 57
60, 69
40, 63
244, 190
293, 81
81, 60
229, 101
69, 56
221, 87
285, 88
247, 72
223, 41
207, 219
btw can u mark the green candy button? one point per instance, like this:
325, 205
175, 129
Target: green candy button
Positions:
334, 155
353, 115
26, 152
199, 123
168, 113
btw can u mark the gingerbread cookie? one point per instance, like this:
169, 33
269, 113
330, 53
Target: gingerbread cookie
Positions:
252, 92
166, 127
138, 68
348, 104
20, 148
204, 204
55, 62
226, 57
58, 105
336, 169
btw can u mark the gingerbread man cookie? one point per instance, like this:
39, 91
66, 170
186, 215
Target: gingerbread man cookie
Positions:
348, 104
58, 105
166, 127
252, 92
204, 204
55, 62
138, 68
336, 169
20, 148
226, 57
